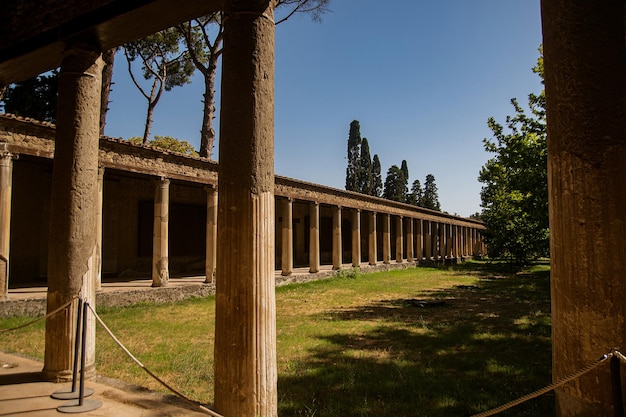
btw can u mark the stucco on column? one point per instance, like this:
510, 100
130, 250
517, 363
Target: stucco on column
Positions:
337, 244
386, 238
211, 235
356, 238
585, 67
72, 241
373, 255
6, 181
314, 238
399, 240
160, 234
100, 200
409, 240
428, 242
287, 237
245, 330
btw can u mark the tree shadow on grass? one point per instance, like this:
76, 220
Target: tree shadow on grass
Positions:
453, 352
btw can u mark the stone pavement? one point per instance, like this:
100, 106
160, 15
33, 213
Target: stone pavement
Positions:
24, 393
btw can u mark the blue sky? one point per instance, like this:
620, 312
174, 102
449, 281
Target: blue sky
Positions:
421, 77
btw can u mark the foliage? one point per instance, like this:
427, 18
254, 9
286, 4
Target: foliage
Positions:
377, 179
168, 143
416, 195
395, 185
35, 98
515, 185
430, 198
365, 172
354, 158
161, 61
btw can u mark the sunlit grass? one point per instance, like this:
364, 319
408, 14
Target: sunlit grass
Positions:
358, 345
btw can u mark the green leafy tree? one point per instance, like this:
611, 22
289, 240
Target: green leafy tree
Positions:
395, 185
163, 63
365, 173
203, 38
35, 97
377, 179
417, 194
430, 198
515, 182
168, 143
354, 157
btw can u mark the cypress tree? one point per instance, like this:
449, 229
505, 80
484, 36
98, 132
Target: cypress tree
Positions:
377, 179
431, 195
365, 174
354, 166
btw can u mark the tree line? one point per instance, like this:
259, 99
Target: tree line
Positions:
166, 59
363, 175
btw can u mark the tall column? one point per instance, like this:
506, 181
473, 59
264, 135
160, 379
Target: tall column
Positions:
449, 241
72, 240
245, 322
585, 66
419, 246
434, 232
428, 241
356, 238
409, 240
99, 202
314, 238
337, 245
399, 240
287, 237
160, 234
455, 241
211, 234
6, 181
373, 255
386, 238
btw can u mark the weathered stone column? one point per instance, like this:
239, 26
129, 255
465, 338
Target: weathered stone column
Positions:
409, 240
314, 238
585, 67
160, 234
245, 329
455, 241
428, 240
6, 184
211, 234
442, 241
449, 241
373, 250
72, 241
399, 240
356, 238
100, 201
419, 246
337, 246
434, 232
386, 238
287, 238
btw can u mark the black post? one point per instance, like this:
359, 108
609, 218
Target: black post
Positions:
76, 341
83, 344
616, 384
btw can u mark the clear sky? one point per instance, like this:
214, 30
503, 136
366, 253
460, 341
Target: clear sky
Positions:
421, 77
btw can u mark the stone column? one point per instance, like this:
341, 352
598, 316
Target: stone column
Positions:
449, 241
428, 241
99, 202
455, 241
72, 240
399, 240
386, 238
160, 234
585, 67
245, 323
434, 232
337, 249
6, 184
419, 246
211, 234
287, 238
356, 238
409, 240
314, 238
443, 241
373, 255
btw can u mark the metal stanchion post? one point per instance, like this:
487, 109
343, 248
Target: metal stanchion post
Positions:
72, 394
81, 405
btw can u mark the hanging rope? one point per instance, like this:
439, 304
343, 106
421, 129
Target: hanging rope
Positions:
52, 313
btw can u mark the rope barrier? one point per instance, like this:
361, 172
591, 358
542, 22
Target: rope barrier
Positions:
548, 388
52, 313
142, 366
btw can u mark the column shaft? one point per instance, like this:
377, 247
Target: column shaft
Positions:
419, 246
314, 238
409, 240
72, 240
386, 238
211, 234
160, 234
287, 237
373, 255
399, 240
337, 245
6, 181
356, 238
99, 203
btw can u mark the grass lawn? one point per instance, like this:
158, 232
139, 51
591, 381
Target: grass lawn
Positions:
417, 342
